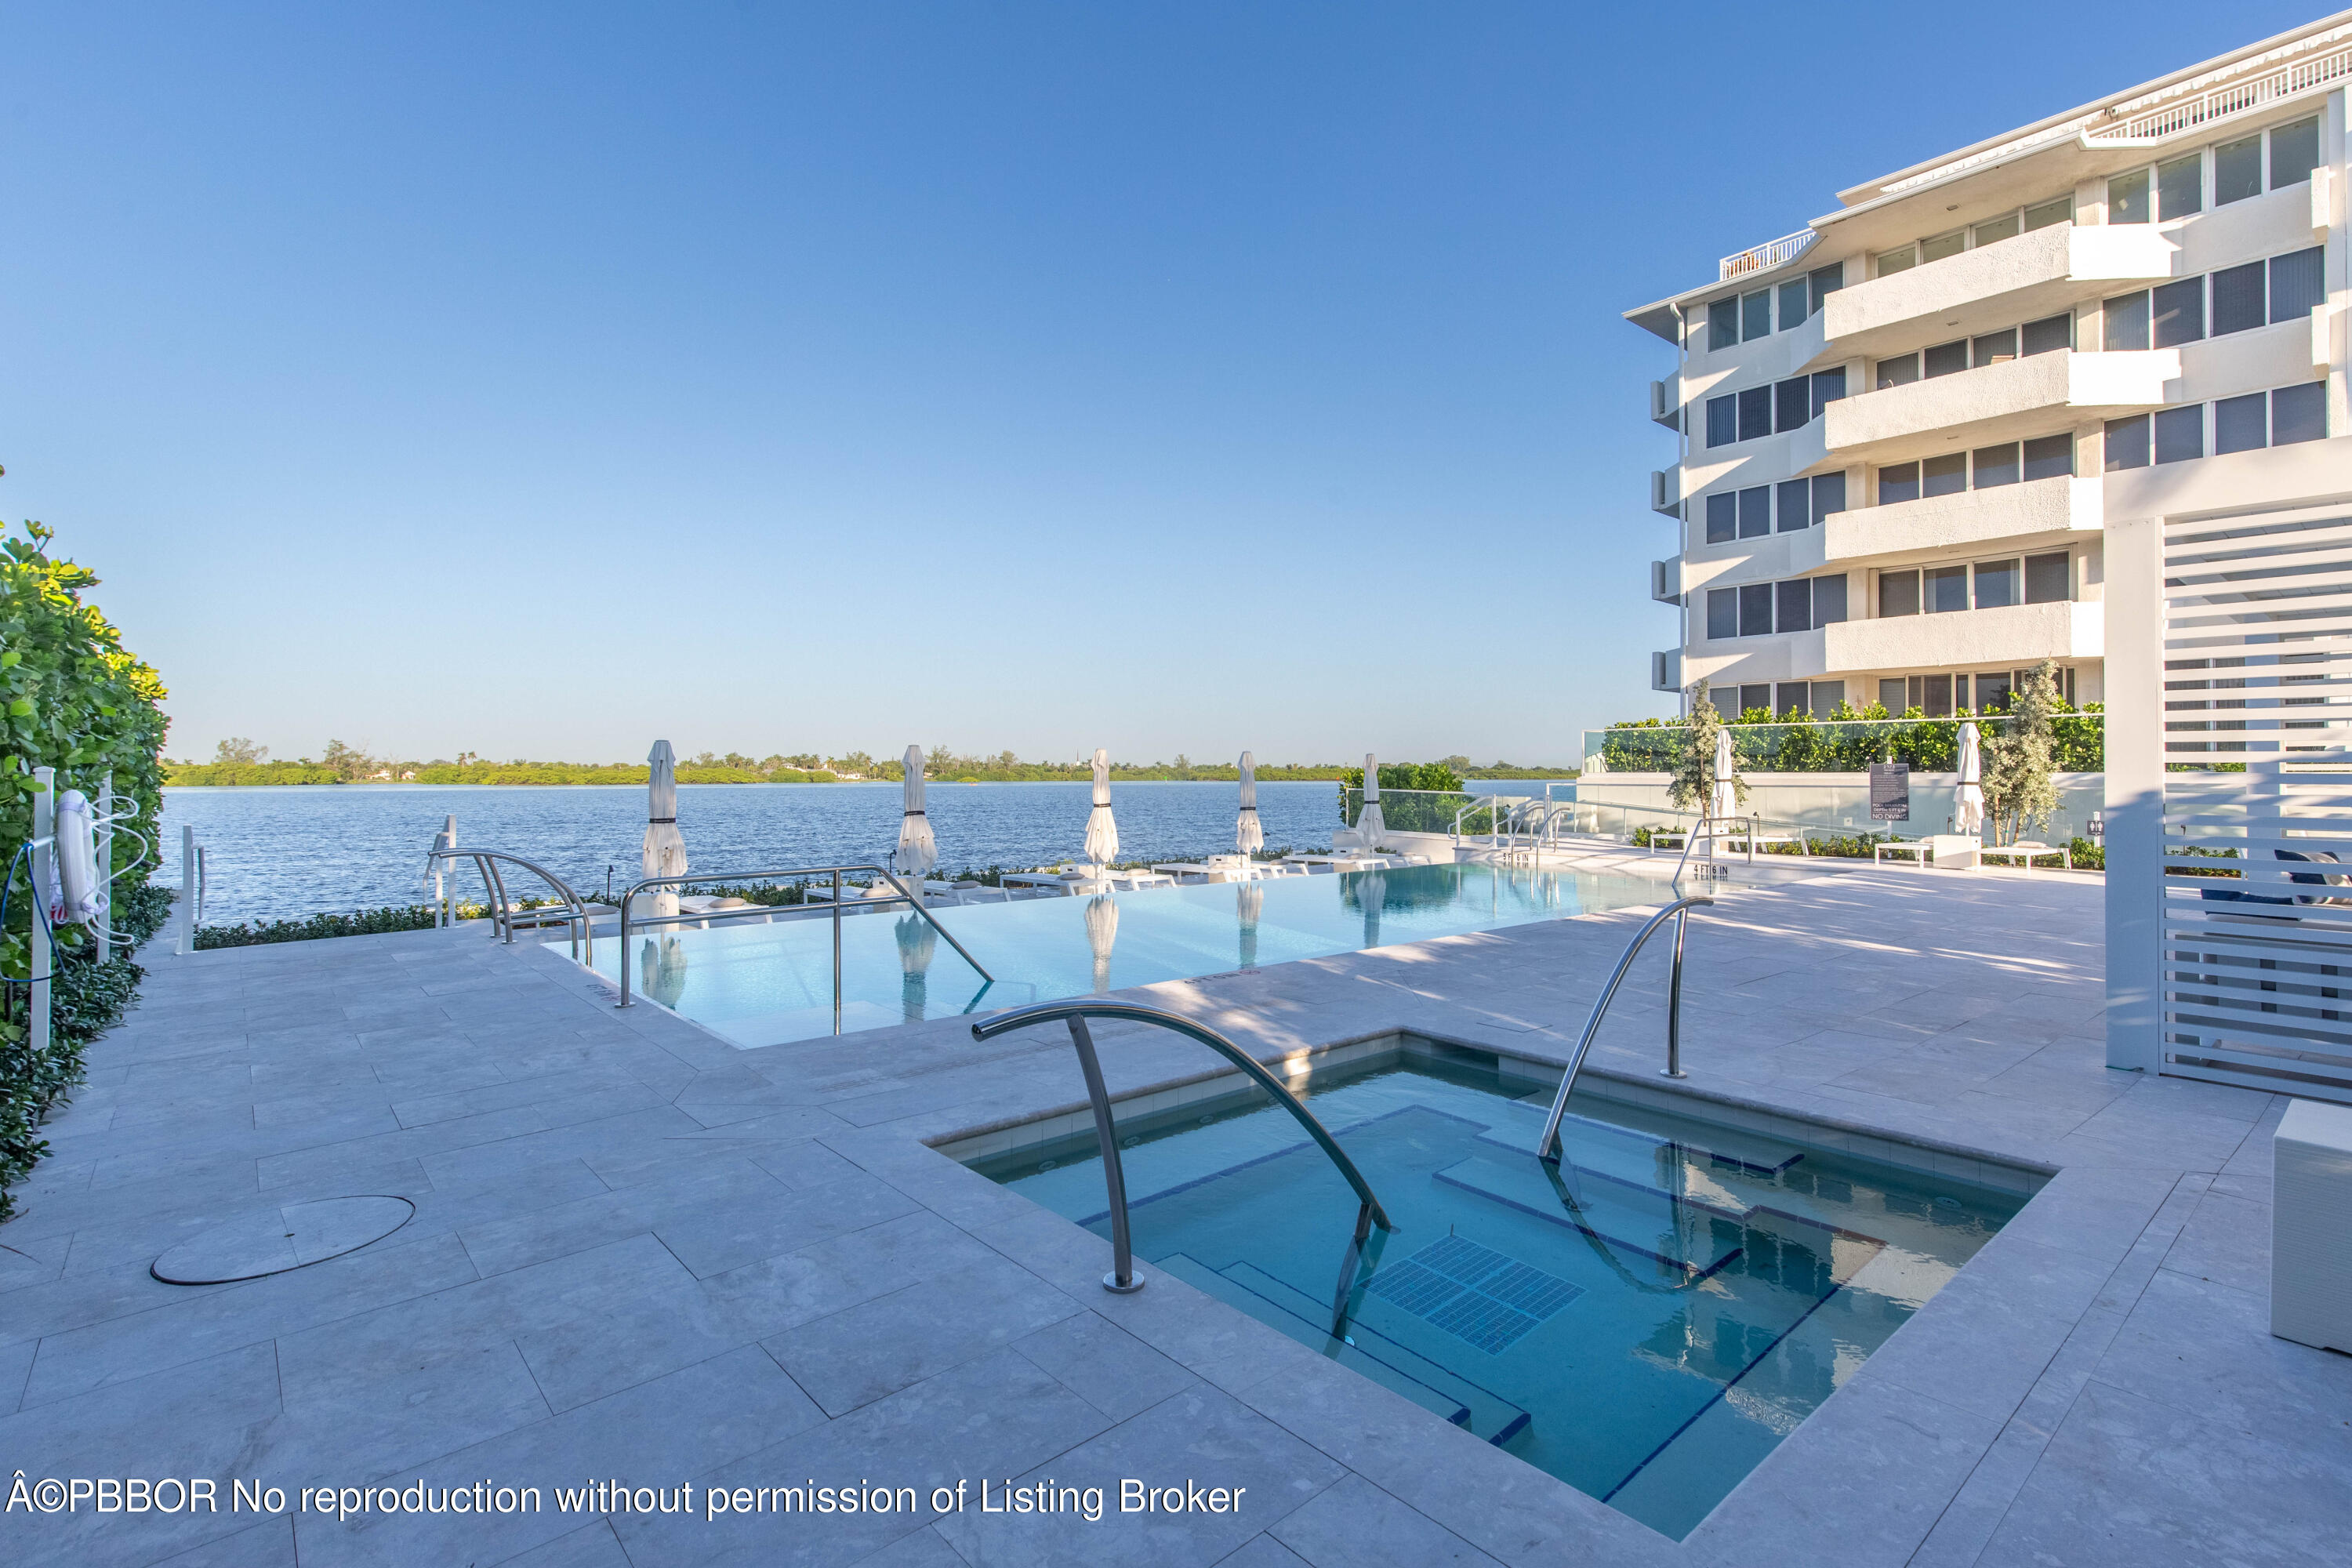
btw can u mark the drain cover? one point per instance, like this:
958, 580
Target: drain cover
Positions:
271, 1241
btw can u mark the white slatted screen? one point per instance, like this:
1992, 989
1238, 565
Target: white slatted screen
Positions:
2257, 960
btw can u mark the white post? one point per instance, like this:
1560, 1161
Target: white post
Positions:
41, 957
105, 921
2134, 806
188, 888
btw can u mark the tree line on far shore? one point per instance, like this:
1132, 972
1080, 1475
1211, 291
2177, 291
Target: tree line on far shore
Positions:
237, 761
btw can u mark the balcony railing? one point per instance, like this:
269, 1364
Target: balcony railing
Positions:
2221, 102
1765, 256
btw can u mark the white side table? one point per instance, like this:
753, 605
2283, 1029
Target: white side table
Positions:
2311, 1225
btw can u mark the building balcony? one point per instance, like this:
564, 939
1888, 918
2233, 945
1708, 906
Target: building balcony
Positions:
1666, 491
1667, 580
1666, 670
1991, 287
2020, 517
2017, 635
2029, 396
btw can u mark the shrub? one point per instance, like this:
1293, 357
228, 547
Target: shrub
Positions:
2087, 856
315, 928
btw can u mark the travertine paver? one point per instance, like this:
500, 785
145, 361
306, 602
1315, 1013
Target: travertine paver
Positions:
639, 1254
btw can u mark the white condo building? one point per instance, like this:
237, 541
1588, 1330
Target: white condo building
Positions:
1905, 428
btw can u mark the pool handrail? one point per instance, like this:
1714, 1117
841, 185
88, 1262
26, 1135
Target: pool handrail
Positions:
1548, 1146
1121, 1279
902, 895
1706, 824
502, 915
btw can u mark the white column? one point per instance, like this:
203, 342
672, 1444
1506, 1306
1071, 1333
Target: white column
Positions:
188, 888
2135, 793
41, 957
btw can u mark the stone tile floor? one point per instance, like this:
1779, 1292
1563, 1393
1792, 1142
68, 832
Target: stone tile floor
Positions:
641, 1254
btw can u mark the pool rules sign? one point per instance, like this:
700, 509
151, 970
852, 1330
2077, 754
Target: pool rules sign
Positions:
1890, 792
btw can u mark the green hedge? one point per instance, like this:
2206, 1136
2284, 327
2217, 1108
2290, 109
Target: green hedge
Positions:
1847, 743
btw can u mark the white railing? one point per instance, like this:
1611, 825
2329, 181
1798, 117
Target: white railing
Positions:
2237, 97
1765, 256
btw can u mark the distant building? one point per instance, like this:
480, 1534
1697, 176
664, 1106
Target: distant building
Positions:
1904, 426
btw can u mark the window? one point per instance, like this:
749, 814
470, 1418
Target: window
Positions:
1829, 385
1945, 589
2296, 285
1891, 695
1993, 348
2242, 424
1996, 231
1996, 583
1945, 475
1792, 305
1901, 372
2294, 152
1992, 692
1948, 359
2049, 458
1795, 605
1722, 613
2237, 171
1829, 495
2059, 209
1722, 420
1795, 506
1722, 518
1824, 281
1790, 696
1755, 413
2297, 414
1755, 609
1887, 263
1792, 402
2126, 320
2180, 433
1755, 511
1755, 315
2127, 443
1756, 696
2048, 336
1995, 466
2127, 198
1936, 702
1723, 325
1942, 247
2177, 312
2048, 578
1898, 482
1829, 605
2238, 298
1898, 593
2180, 187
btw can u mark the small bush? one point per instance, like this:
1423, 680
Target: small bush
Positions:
2088, 856
362, 922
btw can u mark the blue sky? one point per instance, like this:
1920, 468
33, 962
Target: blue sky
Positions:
536, 379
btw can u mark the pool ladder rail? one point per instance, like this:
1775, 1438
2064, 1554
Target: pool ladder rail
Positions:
1122, 1278
904, 895
505, 916
1678, 911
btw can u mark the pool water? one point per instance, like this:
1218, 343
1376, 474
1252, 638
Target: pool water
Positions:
762, 983
1646, 1321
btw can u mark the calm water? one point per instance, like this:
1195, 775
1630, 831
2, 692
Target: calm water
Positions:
1647, 1322
762, 983
284, 851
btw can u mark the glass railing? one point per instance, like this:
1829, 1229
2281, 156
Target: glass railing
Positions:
1419, 810
1837, 746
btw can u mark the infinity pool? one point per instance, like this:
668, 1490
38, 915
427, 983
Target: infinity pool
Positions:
762, 985
1645, 1321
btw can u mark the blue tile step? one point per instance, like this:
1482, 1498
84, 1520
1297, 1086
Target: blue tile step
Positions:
1638, 1225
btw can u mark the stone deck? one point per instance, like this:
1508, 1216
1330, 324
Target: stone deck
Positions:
639, 1252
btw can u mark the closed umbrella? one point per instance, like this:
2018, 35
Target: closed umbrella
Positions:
1102, 832
918, 941
1724, 798
439, 872
1102, 930
1248, 833
1368, 826
1249, 902
918, 850
1967, 816
665, 850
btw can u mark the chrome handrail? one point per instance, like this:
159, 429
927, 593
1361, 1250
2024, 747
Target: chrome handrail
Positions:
1121, 1278
903, 895
484, 861
1548, 1146
1706, 824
